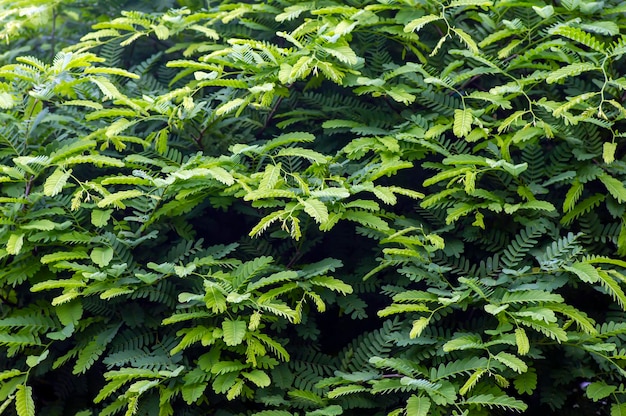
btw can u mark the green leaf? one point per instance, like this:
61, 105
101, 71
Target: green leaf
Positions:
332, 410
316, 209
615, 187
491, 401
117, 197
332, 284
258, 377
308, 154
599, 390
234, 332
34, 360
585, 272
271, 176
192, 392
572, 196
346, 390
222, 175
367, 219
417, 24
467, 39
265, 222
400, 308
522, 342
15, 243
463, 343
102, 256
511, 361
462, 122
229, 106
100, 218
417, 406
608, 152
338, 193
42, 225
465, 3
545, 12
618, 409
69, 313
418, 327
583, 207
24, 402
570, 71
526, 383
6, 101
55, 182
342, 52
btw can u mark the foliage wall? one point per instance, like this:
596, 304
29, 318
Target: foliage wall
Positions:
312, 208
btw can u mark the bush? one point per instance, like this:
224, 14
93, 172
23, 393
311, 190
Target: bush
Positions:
316, 208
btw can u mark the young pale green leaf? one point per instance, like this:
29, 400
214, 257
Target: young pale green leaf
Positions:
615, 187
117, 198
107, 88
8, 374
471, 381
221, 175
34, 360
511, 361
504, 402
42, 225
265, 222
572, 196
271, 176
395, 308
111, 71
309, 154
346, 390
24, 402
332, 284
100, 218
316, 209
417, 24
229, 106
417, 406
102, 256
608, 152
6, 100
545, 12
570, 71
258, 377
342, 52
522, 342
463, 343
462, 122
234, 332
467, 39
418, 327
475, 3
15, 243
367, 219
55, 182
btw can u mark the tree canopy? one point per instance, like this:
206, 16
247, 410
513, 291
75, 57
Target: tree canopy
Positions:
288, 208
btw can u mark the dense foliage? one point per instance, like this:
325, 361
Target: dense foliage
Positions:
312, 208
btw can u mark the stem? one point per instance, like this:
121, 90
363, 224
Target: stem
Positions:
53, 34
270, 115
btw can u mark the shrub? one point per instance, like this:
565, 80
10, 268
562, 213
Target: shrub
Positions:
319, 208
